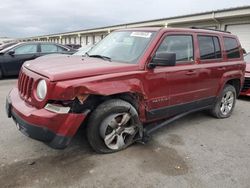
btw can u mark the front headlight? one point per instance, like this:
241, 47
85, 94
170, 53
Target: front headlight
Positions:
41, 90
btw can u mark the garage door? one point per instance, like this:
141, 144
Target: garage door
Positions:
243, 32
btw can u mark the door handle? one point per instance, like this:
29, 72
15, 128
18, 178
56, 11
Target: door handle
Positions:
190, 72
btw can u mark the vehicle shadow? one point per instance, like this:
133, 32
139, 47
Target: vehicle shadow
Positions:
188, 120
9, 78
244, 98
80, 141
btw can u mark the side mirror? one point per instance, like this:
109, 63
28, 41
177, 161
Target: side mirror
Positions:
163, 59
244, 51
11, 52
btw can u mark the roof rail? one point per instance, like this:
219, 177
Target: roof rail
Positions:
210, 29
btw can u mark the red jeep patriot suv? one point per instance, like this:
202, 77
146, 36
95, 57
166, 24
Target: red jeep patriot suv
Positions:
131, 83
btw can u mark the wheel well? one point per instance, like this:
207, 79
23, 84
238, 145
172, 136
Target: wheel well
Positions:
128, 97
236, 84
94, 100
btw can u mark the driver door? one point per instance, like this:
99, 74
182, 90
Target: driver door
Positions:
173, 87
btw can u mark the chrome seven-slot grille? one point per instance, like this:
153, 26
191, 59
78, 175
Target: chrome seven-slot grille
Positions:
25, 84
246, 85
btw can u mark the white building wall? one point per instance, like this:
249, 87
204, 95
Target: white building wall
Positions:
63, 40
72, 40
92, 39
217, 19
83, 41
243, 33
88, 38
67, 40
78, 40
97, 38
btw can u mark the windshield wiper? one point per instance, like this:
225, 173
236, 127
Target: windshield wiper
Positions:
99, 56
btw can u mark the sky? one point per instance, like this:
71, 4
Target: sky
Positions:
25, 18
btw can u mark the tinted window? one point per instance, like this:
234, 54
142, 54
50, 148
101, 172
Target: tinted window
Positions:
232, 48
217, 47
182, 45
48, 48
26, 49
209, 47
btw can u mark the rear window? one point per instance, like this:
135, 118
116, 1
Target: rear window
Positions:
232, 48
209, 47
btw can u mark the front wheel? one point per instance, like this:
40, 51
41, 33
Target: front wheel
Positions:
113, 126
224, 106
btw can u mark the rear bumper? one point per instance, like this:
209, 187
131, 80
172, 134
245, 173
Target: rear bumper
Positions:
245, 93
246, 87
41, 124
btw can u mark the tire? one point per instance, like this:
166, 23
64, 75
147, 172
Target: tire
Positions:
113, 126
224, 105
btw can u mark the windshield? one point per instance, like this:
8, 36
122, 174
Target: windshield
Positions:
247, 58
83, 50
10, 47
122, 46
7, 45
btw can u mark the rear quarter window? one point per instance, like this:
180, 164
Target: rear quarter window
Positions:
232, 47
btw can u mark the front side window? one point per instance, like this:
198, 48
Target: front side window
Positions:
181, 45
232, 48
26, 49
209, 47
123, 46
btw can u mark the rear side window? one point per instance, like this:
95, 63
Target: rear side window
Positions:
182, 45
61, 49
209, 47
232, 48
48, 48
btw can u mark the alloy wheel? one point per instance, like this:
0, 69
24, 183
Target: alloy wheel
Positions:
118, 130
227, 103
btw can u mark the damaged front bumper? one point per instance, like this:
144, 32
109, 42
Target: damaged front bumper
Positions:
56, 129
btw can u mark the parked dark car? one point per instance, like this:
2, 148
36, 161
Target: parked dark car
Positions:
12, 58
246, 88
74, 46
81, 52
6, 45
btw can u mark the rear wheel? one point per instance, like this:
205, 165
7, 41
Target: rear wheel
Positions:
225, 103
113, 126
